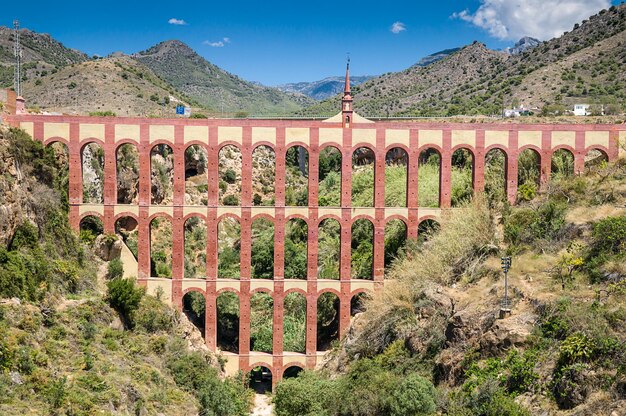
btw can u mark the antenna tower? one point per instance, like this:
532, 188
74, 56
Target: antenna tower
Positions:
17, 51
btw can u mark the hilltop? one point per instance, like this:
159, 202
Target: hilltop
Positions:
211, 86
583, 65
323, 89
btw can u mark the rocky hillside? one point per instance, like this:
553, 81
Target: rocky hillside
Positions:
41, 54
120, 85
584, 65
213, 87
323, 89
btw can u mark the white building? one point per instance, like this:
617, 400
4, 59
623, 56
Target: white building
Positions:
582, 110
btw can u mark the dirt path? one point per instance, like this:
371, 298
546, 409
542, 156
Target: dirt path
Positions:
262, 405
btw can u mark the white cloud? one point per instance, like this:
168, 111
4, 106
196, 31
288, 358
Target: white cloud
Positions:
397, 27
175, 21
542, 19
218, 44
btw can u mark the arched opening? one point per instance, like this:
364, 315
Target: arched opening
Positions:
61, 156
429, 178
228, 322
161, 247
396, 174
196, 176
363, 163
362, 253
297, 177
296, 249
194, 307
195, 248
395, 240
294, 323
127, 167
329, 188
261, 322
329, 249
495, 176
595, 159
426, 229
562, 164
126, 228
90, 228
261, 380
264, 174
528, 174
358, 303
462, 177
228, 248
262, 249
92, 157
292, 372
230, 165
161, 175
327, 320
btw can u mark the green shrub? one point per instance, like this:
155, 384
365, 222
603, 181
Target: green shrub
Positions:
230, 176
575, 348
230, 200
309, 394
527, 192
154, 316
414, 396
115, 269
124, 297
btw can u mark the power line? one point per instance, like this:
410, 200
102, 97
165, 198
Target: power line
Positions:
17, 51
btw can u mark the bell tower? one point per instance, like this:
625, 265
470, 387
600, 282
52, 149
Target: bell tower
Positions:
346, 101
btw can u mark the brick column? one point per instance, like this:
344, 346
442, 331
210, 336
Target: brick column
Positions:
213, 168
346, 245
378, 272
210, 316
314, 160
445, 190
244, 324
280, 172
546, 157
143, 243
110, 178
344, 309
311, 324
179, 165
245, 252
277, 338
379, 169
279, 244
178, 254
478, 170
579, 153
412, 195
246, 167
511, 177
144, 149
312, 245
211, 243
346, 169
75, 174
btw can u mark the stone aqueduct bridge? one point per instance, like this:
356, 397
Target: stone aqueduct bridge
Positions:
212, 134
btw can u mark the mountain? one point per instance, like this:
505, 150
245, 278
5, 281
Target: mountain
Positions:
323, 89
118, 84
40, 54
213, 87
586, 64
437, 56
524, 44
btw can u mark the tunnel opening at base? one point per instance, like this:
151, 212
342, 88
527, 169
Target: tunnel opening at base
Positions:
194, 307
358, 303
426, 229
261, 380
292, 371
561, 164
90, 227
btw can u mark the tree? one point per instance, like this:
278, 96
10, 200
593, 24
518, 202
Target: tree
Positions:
568, 263
124, 297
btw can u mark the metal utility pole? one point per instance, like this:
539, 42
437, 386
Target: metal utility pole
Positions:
17, 51
505, 308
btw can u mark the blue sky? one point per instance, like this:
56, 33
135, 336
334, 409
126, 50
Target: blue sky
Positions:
275, 42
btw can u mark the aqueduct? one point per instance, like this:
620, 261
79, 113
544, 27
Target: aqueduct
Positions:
346, 132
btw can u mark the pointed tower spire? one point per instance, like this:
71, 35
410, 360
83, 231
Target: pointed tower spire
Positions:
346, 101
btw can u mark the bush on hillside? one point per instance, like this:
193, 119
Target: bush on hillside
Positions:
124, 297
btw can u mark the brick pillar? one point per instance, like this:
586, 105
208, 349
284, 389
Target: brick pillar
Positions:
579, 153
312, 244
279, 182
512, 166
378, 272
179, 166
246, 244
412, 195
75, 171
445, 183
246, 168
210, 316
211, 243
178, 255
143, 243
244, 324
379, 169
311, 324
144, 149
213, 168
110, 178
279, 244
346, 169
344, 309
314, 166
545, 157
478, 170
346, 245
277, 338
